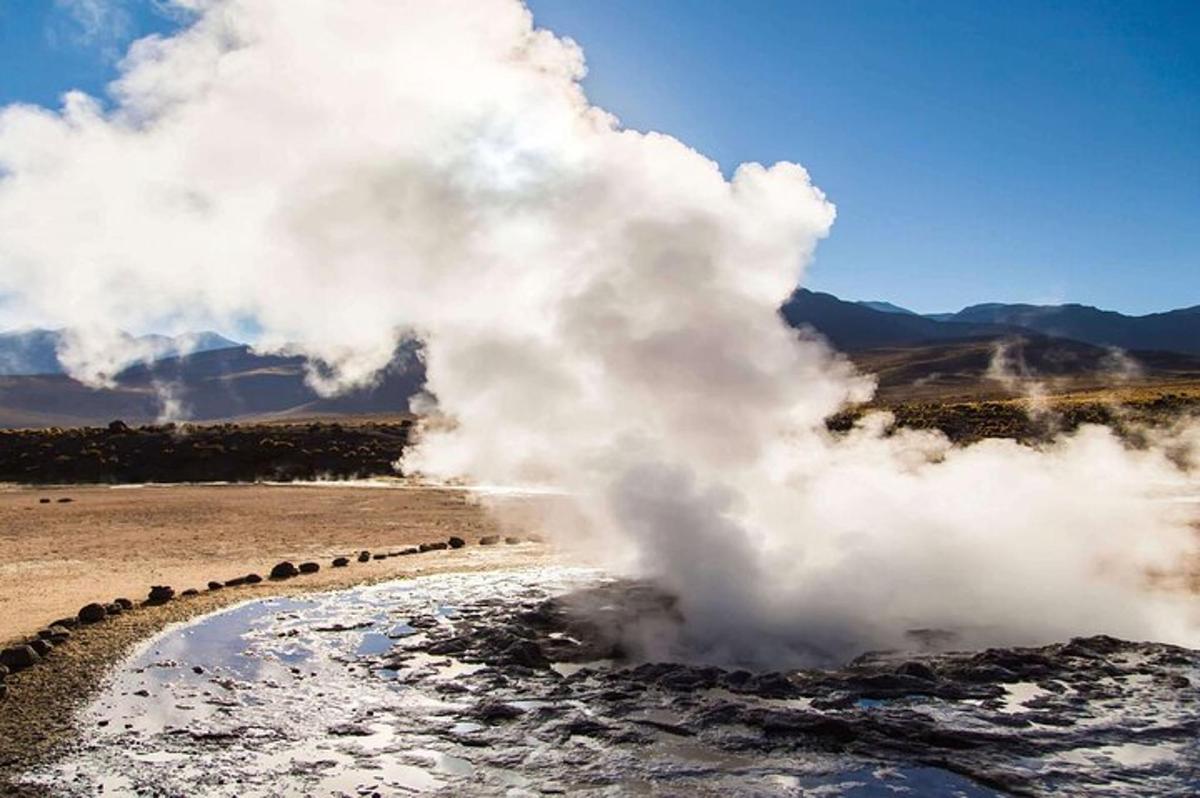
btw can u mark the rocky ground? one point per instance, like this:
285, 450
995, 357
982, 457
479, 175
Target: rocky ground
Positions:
46, 676
525, 683
119, 453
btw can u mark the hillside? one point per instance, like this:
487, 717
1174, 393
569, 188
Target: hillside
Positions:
218, 384
35, 352
1176, 330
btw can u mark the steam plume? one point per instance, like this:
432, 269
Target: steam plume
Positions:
598, 307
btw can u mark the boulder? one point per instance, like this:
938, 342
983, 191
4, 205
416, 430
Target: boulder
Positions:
124, 602
284, 570
160, 594
364, 556
117, 427
58, 635
92, 613
237, 581
456, 543
66, 623
114, 608
252, 579
309, 567
340, 562
489, 540
215, 585
18, 658
42, 647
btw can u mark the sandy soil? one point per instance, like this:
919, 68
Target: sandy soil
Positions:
110, 542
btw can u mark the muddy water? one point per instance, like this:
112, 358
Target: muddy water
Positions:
474, 684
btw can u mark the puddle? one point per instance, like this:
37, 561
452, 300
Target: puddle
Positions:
386, 689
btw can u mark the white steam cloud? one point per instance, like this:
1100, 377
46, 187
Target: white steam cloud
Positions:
598, 307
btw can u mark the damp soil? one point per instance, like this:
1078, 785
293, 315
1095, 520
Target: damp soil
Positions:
522, 682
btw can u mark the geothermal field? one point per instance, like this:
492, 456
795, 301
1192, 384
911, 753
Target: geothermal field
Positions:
382, 415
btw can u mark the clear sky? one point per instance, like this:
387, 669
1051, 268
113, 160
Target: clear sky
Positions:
977, 150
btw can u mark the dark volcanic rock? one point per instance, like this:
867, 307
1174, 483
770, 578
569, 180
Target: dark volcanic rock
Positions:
340, 562
512, 540
456, 543
92, 613
253, 579
237, 581
66, 623
215, 585
379, 556
364, 556
489, 540
124, 602
18, 658
42, 647
284, 570
114, 608
160, 594
436, 546
309, 567
191, 591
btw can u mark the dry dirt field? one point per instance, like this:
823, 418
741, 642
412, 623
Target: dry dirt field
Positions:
118, 541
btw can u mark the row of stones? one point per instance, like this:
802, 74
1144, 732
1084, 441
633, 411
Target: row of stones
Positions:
26, 655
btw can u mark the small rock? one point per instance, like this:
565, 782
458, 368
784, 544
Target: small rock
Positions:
42, 647
196, 669
124, 602
191, 591
43, 501
340, 562
3, 672
215, 585
65, 500
456, 543
284, 570
309, 567
363, 556
18, 658
237, 581
491, 710
489, 540
3, 691
511, 540
252, 579
160, 594
66, 623
92, 613
379, 557
117, 427
438, 546
535, 538
142, 693
917, 670
114, 608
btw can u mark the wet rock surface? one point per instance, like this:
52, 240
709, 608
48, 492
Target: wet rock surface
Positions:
521, 683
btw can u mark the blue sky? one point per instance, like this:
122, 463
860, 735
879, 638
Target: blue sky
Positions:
977, 151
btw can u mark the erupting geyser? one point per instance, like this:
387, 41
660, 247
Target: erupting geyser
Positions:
598, 307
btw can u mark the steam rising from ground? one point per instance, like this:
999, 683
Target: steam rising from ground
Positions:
598, 307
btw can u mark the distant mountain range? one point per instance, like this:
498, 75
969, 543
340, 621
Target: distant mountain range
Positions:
1171, 331
36, 351
935, 356
206, 386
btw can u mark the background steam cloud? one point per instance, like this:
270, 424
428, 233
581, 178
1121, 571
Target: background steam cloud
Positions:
598, 307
